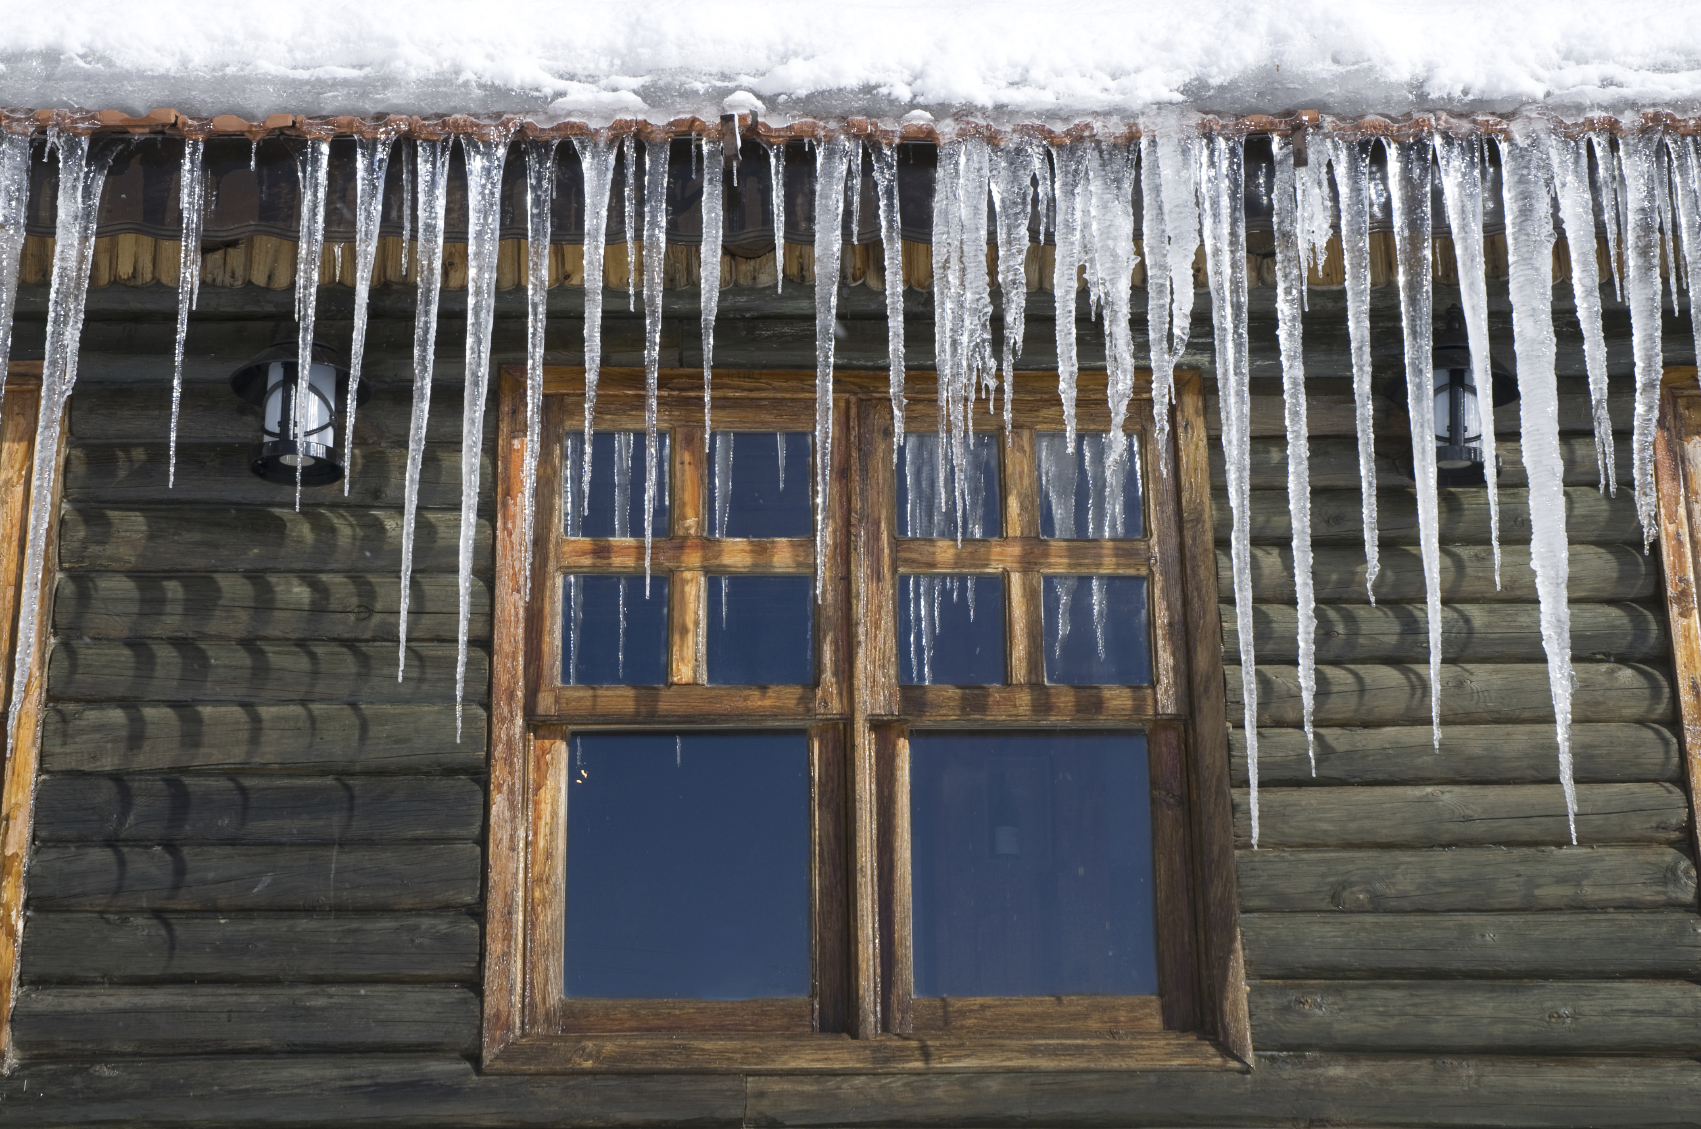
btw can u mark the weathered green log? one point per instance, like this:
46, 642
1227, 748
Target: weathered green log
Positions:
1591, 518
1562, 946
410, 876
83, 808
305, 738
1599, 573
135, 948
1466, 879
1334, 462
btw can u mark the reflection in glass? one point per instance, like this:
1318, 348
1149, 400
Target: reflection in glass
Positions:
618, 476
761, 631
688, 866
759, 484
1096, 633
613, 632
931, 495
951, 630
1087, 494
1031, 857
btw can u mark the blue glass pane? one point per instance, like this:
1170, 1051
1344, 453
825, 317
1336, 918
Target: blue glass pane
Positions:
759, 484
950, 630
613, 634
619, 469
1096, 632
1031, 858
688, 866
761, 631
931, 495
1087, 495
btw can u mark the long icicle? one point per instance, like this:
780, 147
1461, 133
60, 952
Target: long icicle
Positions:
831, 158
1013, 201
191, 205
629, 185
655, 255
371, 173
540, 200
432, 166
596, 165
1642, 292
1070, 164
1612, 215
709, 272
1154, 238
1110, 271
1570, 159
1177, 146
1686, 170
314, 162
777, 197
14, 210
1349, 159
892, 254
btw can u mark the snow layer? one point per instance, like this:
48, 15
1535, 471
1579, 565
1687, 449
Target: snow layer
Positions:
598, 60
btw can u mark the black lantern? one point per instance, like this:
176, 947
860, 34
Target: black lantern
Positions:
1459, 450
269, 381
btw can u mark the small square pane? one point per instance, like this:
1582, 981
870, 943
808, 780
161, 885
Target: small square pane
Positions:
1089, 494
1096, 632
931, 494
950, 630
1031, 864
688, 866
614, 633
759, 484
761, 631
619, 472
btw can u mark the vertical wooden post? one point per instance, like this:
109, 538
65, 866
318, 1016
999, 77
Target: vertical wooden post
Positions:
1677, 469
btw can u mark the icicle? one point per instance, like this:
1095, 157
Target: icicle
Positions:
629, 167
596, 162
1606, 171
1529, 252
780, 457
1169, 158
1290, 286
722, 485
1662, 205
655, 254
892, 251
1577, 211
853, 190
314, 163
408, 162
433, 168
1012, 197
962, 298
372, 171
254, 155
709, 274
1110, 273
1686, 169
1316, 216
14, 210
1071, 168
777, 187
540, 199
191, 194
1642, 290
1350, 161
831, 157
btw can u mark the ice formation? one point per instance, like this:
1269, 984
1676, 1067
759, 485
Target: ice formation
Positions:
1349, 161
1570, 157
1641, 243
14, 206
962, 299
655, 252
777, 197
832, 159
371, 171
596, 162
313, 160
709, 276
540, 199
892, 252
191, 203
1016, 168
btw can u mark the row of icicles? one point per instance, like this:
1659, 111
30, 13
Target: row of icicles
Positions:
1191, 190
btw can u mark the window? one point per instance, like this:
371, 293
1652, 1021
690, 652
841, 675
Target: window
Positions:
949, 811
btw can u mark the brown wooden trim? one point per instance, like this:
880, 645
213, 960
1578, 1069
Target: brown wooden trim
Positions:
1076, 706
547, 777
676, 705
1677, 469
621, 1018
1176, 931
1024, 628
626, 555
1126, 558
897, 959
1106, 1017
686, 628
829, 878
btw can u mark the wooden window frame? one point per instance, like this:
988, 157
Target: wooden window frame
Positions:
861, 1016
1677, 478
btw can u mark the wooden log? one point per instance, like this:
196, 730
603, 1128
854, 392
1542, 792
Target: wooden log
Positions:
136, 948
319, 879
258, 539
1463, 816
54, 1022
83, 808
363, 673
1598, 573
1610, 753
1560, 946
1471, 694
1591, 518
139, 410
299, 738
217, 606
1333, 462
1467, 879
1469, 633
1464, 1017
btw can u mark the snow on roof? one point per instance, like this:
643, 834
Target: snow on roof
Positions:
993, 60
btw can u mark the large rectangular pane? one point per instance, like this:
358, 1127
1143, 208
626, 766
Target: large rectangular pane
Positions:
1096, 631
1031, 864
761, 631
619, 472
614, 632
935, 500
688, 866
759, 484
1088, 493
950, 630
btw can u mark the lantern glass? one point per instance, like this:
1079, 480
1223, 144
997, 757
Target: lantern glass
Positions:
1458, 422
319, 425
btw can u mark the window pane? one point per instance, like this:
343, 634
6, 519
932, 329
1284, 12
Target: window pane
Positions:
1096, 632
1085, 495
761, 631
619, 462
760, 484
1031, 862
951, 630
688, 866
614, 634
930, 495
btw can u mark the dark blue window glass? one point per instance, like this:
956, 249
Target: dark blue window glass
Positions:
759, 484
1088, 494
931, 495
1096, 631
950, 630
761, 631
688, 866
1031, 858
619, 470
614, 634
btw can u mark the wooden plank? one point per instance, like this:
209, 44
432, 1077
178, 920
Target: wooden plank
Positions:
1129, 558
687, 633
1560, 946
137, 948
137, 409
258, 672
1677, 454
830, 879
1608, 753
1467, 878
626, 555
108, 879
1598, 573
55, 1022
1591, 518
1092, 705
1081, 1016
1334, 462
297, 738
674, 705
258, 809
1464, 1017
1463, 815
674, 1019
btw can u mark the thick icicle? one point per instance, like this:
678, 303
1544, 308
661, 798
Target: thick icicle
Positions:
1607, 172
892, 254
1290, 292
596, 163
1155, 242
777, 189
1169, 163
191, 204
655, 254
1349, 159
1316, 213
962, 299
1529, 252
1013, 201
1069, 162
314, 162
1577, 211
629, 172
1686, 175
1662, 208
371, 171
1409, 188
433, 169
14, 210
485, 160
1642, 293
709, 274
540, 198
1110, 274
831, 158
408, 204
